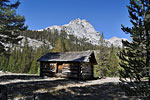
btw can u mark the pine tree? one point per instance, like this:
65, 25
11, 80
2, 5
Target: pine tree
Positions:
35, 65
10, 24
59, 46
101, 70
68, 45
11, 66
102, 41
113, 69
18, 60
135, 56
26, 57
3, 62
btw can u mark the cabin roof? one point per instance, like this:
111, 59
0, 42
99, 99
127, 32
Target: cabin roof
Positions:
83, 56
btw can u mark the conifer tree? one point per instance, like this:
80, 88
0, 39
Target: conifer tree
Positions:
11, 24
135, 56
11, 66
35, 65
67, 45
3, 62
59, 46
19, 60
101, 70
113, 62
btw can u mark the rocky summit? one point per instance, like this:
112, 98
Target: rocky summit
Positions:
83, 29
117, 42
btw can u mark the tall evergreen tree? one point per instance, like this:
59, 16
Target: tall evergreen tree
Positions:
59, 46
114, 67
135, 57
35, 65
101, 70
11, 23
67, 45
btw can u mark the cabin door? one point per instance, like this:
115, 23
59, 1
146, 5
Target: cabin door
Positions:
60, 67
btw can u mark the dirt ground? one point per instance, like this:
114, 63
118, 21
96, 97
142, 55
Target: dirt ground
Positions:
63, 89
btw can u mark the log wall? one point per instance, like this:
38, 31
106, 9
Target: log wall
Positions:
86, 71
47, 69
69, 70
3, 92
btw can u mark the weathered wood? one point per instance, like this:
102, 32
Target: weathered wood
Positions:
66, 65
70, 70
72, 64
47, 69
3, 92
61, 75
86, 71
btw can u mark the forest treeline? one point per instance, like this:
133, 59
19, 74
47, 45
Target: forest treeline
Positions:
133, 63
23, 59
20, 58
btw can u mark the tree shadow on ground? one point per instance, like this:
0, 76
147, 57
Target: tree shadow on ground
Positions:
6, 78
27, 88
107, 91
45, 90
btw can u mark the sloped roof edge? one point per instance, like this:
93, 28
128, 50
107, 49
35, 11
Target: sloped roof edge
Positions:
82, 56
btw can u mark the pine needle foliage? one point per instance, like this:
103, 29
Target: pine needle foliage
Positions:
11, 24
135, 56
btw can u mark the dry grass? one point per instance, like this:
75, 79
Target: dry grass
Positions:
64, 89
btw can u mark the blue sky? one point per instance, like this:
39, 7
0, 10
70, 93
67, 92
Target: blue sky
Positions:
105, 15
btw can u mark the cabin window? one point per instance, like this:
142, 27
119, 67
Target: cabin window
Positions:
52, 67
46, 65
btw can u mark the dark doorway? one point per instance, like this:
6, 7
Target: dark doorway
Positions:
59, 67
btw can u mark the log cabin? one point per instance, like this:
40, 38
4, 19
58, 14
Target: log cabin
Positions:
78, 65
